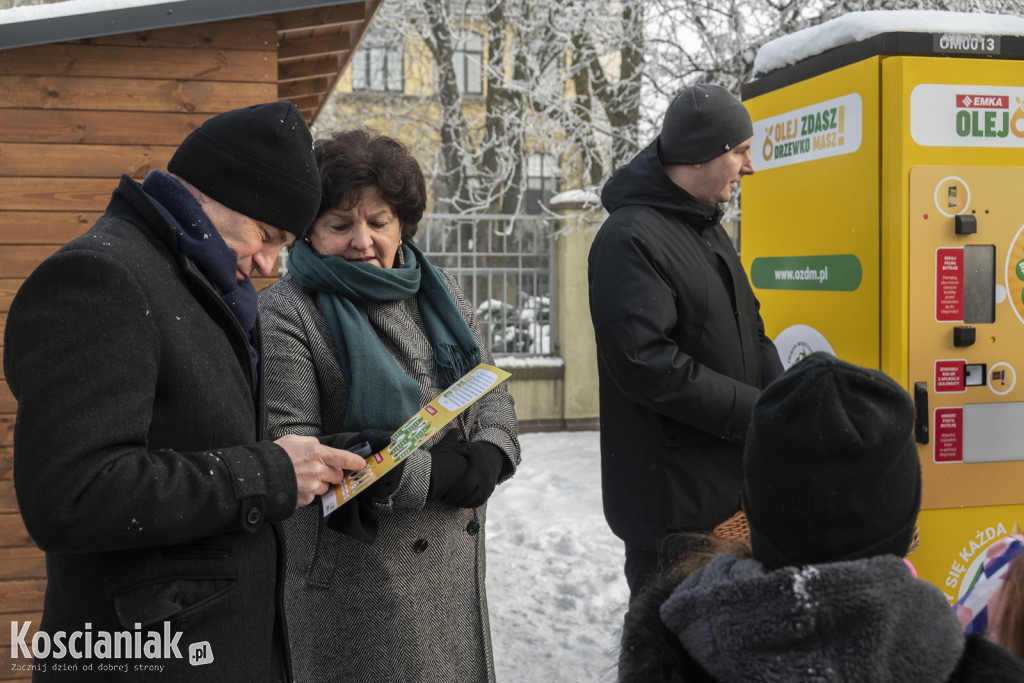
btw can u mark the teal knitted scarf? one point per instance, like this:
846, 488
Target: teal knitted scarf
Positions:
381, 395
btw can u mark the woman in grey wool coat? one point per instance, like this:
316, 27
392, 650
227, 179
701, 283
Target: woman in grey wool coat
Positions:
360, 335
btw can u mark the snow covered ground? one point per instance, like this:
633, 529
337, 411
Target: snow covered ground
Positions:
555, 586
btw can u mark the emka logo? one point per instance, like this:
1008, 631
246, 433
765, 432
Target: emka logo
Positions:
988, 116
984, 101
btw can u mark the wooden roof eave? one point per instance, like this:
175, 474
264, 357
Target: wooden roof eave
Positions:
315, 44
314, 47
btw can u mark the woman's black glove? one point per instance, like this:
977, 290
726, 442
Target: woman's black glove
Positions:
483, 467
359, 518
446, 466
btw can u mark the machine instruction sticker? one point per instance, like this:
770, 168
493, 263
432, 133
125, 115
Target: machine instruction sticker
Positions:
949, 375
949, 284
945, 115
949, 434
818, 131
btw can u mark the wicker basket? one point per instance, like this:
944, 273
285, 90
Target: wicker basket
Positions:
915, 540
735, 528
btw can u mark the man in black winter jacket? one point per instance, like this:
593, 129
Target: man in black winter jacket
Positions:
140, 461
682, 352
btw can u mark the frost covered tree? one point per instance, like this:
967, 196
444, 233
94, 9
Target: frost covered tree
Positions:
503, 97
558, 86
577, 84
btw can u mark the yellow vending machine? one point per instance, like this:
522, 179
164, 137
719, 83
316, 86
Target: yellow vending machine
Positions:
885, 224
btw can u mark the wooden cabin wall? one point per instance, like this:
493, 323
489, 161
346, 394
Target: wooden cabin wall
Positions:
74, 116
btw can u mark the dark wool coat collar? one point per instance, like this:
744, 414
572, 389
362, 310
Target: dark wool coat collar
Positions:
130, 202
643, 181
198, 240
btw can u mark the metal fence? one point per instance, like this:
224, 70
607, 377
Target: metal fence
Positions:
505, 267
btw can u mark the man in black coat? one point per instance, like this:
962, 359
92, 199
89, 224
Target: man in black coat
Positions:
682, 352
140, 462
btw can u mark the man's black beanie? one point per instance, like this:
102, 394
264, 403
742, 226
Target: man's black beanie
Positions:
831, 470
703, 122
257, 161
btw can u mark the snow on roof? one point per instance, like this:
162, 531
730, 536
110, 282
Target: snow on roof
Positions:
79, 19
857, 26
71, 7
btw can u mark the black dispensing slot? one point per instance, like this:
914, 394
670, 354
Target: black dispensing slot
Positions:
921, 410
965, 225
963, 335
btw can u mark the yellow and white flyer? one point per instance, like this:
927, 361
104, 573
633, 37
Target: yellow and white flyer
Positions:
416, 431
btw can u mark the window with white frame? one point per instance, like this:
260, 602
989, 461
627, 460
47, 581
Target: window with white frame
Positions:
377, 66
469, 60
542, 181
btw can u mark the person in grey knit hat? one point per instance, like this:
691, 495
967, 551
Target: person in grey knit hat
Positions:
822, 593
141, 463
681, 345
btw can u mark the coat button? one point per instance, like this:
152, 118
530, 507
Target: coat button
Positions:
419, 546
180, 625
473, 528
254, 516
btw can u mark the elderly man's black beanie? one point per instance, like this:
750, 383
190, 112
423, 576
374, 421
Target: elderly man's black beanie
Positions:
703, 122
257, 161
831, 470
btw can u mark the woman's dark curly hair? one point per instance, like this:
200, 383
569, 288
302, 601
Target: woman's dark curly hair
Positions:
352, 160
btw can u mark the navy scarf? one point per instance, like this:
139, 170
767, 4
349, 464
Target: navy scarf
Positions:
199, 241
